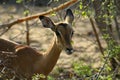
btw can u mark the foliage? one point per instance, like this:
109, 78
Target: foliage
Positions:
38, 76
106, 15
81, 69
26, 12
50, 78
56, 0
19, 1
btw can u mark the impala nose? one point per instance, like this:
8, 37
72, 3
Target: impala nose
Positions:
69, 51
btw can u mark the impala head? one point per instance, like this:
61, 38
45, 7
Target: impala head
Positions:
63, 30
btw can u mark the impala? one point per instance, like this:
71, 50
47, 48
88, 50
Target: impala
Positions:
28, 61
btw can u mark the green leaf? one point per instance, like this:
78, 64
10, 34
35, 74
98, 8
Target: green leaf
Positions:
19, 1
53, 14
50, 78
38, 76
81, 6
83, 13
42, 76
26, 12
56, 0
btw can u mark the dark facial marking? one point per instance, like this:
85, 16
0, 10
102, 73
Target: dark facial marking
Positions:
57, 33
63, 24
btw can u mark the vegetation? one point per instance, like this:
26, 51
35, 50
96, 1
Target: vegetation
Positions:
103, 15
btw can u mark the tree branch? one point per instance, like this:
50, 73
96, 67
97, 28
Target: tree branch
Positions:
62, 6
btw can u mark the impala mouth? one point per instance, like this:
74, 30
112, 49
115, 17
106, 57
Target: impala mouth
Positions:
69, 51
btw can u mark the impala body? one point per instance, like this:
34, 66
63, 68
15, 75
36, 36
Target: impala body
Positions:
28, 61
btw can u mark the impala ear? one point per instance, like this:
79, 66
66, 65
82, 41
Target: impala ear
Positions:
46, 22
69, 17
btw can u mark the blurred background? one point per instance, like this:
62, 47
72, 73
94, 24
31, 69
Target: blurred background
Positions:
96, 40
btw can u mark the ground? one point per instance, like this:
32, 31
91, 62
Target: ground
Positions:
84, 41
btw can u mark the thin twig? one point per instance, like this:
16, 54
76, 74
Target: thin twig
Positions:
27, 27
103, 67
115, 72
117, 27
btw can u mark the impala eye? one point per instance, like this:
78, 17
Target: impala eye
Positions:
57, 33
72, 33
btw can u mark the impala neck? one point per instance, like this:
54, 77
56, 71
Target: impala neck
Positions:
53, 53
